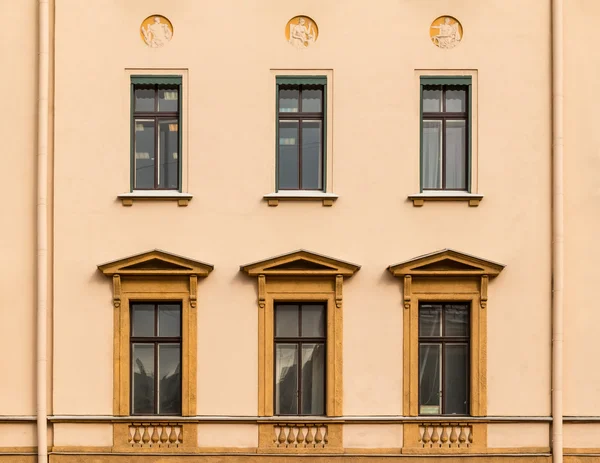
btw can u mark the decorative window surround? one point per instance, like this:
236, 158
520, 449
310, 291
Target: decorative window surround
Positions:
300, 195
300, 276
155, 195
419, 199
154, 276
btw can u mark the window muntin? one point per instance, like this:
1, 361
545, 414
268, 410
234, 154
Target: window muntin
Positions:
155, 358
444, 352
156, 137
300, 355
301, 136
445, 137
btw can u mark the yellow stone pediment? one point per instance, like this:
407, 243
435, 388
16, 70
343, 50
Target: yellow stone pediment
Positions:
446, 262
301, 263
156, 262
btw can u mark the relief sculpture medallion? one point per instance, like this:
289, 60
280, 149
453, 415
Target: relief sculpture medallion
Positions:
156, 31
301, 31
446, 32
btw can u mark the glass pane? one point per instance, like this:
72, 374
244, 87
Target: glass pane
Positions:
169, 375
456, 320
286, 320
144, 99
430, 320
432, 100
144, 154
313, 321
456, 155
142, 320
169, 320
456, 379
168, 100
288, 100
286, 379
312, 164
456, 101
288, 155
313, 379
168, 153
432, 154
143, 378
430, 386
312, 100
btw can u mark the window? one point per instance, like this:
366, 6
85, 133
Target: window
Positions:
156, 135
444, 359
156, 358
445, 133
301, 126
300, 341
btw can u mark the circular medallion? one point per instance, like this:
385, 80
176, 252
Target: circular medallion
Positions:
301, 31
156, 31
446, 32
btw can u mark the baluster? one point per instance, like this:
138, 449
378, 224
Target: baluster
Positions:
180, 436
462, 438
300, 437
309, 435
291, 438
318, 435
426, 438
435, 437
282, 436
136, 435
146, 436
163, 434
453, 436
326, 435
444, 437
276, 431
470, 439
172, 435
155, 434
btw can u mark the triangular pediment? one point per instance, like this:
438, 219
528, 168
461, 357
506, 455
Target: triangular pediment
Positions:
446, 262
299, 263
156, 262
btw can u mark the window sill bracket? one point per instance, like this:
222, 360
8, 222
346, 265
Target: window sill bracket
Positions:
155, 195
419, 199
300, 195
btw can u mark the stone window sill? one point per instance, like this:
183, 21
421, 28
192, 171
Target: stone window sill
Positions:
419, 199
155, 195
300, 195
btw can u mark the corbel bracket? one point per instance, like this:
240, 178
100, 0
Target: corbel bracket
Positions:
193, 291
339, 284
407, 291
484, 291
262, 282
116, 291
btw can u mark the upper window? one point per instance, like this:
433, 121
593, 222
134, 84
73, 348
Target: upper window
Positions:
301, 133
445, 133
156, 135
444, 359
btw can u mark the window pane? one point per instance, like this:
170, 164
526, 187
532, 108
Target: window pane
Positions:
169, 374
168, 100
456, 155
286, 320
432, 100
142, 322
169, 320
288, 100
430, 386
430, 320
143, 378
144, 98
286, 379
432, 154
144, 153
456, 320
456, 101
288, 155
312, 100
312, 163
168, 153
313, 320
456, 380
313, 379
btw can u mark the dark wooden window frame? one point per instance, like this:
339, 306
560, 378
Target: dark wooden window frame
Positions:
444, 341
155, 340
300, 117
299, 340
444, 117
156, 116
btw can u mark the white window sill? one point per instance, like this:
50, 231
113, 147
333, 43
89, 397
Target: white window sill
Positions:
155, 195
300, 195
445, 195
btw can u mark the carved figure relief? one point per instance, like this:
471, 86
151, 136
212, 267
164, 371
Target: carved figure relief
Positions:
301, 31
446, 32
156, 31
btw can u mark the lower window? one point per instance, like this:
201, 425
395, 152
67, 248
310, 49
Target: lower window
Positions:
300, 340
156, 358
444, 358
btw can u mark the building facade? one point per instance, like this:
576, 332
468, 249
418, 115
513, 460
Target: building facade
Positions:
320, 230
